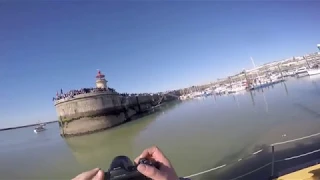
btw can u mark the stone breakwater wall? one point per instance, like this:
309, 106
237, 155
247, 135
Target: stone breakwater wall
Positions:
92, 112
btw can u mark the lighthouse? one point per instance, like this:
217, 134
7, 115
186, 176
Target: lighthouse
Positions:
101, 81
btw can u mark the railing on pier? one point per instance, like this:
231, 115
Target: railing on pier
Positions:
273, 162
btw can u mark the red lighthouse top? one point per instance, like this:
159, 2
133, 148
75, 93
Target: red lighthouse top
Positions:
100, 75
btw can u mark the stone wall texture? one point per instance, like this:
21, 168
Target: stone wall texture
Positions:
92, 112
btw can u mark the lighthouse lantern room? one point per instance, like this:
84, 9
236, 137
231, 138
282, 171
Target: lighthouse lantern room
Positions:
101, 82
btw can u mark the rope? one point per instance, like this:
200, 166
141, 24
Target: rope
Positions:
293, 140
219, 167
257, 152
252, 171
301, 155
206, 171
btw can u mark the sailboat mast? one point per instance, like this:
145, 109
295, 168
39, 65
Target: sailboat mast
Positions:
254, 66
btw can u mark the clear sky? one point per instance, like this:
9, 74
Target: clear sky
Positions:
140, 46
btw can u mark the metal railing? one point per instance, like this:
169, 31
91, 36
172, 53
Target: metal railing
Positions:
273, 160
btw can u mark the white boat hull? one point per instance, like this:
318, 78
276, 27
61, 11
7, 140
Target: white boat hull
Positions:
313, 72
301, 70
236, 90
39, 129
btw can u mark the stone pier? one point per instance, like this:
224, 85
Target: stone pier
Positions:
100, 108
92, 112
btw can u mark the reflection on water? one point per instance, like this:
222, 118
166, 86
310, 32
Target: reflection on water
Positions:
252, 98
286, 89
100, 148
262, 91
196, 135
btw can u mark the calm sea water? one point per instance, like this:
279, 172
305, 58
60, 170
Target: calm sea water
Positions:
196, 135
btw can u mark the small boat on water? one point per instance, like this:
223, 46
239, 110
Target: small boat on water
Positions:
39, 128
221, 90
237, 87
289, 73
265, 82
262, 82
315, 70
301, 70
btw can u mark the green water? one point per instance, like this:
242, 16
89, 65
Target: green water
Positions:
196, 135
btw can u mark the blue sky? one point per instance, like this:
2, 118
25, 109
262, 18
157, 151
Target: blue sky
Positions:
140, 46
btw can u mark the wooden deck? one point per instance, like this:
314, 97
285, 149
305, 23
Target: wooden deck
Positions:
310, 173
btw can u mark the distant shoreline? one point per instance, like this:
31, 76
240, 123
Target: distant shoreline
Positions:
29, 125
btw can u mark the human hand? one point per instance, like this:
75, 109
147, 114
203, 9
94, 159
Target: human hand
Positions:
165, 172
94, 174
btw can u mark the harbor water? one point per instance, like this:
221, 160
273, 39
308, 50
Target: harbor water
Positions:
196, 134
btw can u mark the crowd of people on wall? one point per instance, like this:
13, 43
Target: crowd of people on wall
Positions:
72, 93
136, 94
175, 92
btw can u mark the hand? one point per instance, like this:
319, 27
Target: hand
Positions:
165, 172
94, 174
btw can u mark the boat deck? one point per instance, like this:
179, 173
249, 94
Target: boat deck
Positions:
309, 173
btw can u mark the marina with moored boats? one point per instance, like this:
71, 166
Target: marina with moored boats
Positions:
258, 77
